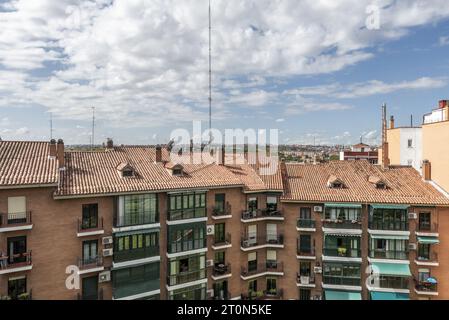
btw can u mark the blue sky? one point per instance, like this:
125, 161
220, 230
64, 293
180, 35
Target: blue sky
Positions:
308, 68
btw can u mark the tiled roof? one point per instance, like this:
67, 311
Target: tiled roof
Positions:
405, 185
89, 173
26, 163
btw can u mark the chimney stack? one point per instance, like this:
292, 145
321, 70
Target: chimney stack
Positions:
245, 151
426, 170
158, 154
109, 143
392, 122
385, 155
53, 148
443, 104
60, 153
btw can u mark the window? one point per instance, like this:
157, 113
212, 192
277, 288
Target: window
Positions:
424, 221
423, 251
252, 286
272, 235
136, 280
305, 268
252, 204
136, 246
272, 203
187, 269
410, 143
305, 214
345, 214
177, 172
252, 234
423, 275
221, 290
252, 261
342, 274
220, 236
389, 219
271, 286
90, 251
220, 202
304, 294
187, 206
90, 216
305, 243
137, 210
127, 173
17, 249
271, 258
17, 210
219, 257
17, 287
186, 237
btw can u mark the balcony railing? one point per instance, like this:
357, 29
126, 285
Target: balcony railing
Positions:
221, 270
222, 241
393, 282
342, 224
136, 254
342, 252
305, 279
388, 254
261, 213
90, 262
96, 296
248, 241
183, 214
343, 281
219, 211
187, 245
15, 219
223, 295
269, 266
393, 225
427, 227
16, 261
423, 286
135, 220
305, 223
432, 257
185, 277
276, 294
89, 227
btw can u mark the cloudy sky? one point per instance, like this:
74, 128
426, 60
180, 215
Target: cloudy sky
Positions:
312, 68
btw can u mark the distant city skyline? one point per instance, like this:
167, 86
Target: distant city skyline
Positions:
313, 70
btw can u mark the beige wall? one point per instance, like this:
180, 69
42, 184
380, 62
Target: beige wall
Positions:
394, 146
436, 150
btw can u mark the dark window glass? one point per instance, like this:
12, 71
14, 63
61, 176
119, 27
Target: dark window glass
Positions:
304, 294
424, 221
220, 202
90, 216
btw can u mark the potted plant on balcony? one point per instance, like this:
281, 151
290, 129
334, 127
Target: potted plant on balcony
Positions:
5, 298
341, 251
23, 296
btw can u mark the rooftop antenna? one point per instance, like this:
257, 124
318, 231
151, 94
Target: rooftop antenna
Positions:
51, 126
93, 129
411, 121
210, 75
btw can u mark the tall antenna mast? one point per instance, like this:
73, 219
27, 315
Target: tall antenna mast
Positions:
51, 126
93, 129
210, 75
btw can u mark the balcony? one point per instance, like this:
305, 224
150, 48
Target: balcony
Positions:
342, 224
186, 214
342, 252
427, 260
221, 296
253, 242
272, 294
221, 271
398, 283
262, 269
136, 254
97, 296
389, 226
305, 252
86, 229
423, 229
91, 264
262, 214
388, 254
186, 277
222, 243
426, 288
16, 263
305, 225
341, 281
135, 222
218, 213
136, 288
186, 246
15, 221
305, 281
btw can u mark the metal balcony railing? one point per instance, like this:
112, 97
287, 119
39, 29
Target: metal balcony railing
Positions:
388, 254
87, 226
431, 257
389, 225
222, 241
262, 213
305, 279
219, 211
90, 262
15, 219
248, 241
342, 252
16, 260
427, 227
425, 286
264, 295
305, 223
342, 224
344, 281
185, 277
221, 269
268, 266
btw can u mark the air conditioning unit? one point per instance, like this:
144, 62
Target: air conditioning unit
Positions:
107, 252
317, 269
209, 263
318, 208
104, 276
210, 230
210, 293
412, 215
412, 246
107, 240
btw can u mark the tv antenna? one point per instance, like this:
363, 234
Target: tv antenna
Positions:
51, 126
210, 75
93, 129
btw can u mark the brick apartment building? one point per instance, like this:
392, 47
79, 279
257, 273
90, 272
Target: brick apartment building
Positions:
138, 226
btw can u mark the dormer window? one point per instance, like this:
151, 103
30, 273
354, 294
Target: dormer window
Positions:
125, 170
177, 172
175, 169
378, 182
335, 183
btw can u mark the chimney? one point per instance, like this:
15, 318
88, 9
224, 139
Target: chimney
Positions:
191, 146
109, 143
52, 148
245, 151
385, 154
158, 154
223, 155
426, 170
392, 122
443, 104
60, 153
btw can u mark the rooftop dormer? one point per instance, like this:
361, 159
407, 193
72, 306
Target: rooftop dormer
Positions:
125, 170
175, 169
335, 183
378, 182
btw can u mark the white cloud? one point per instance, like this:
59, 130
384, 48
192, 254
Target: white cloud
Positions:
315, 107
144, 62
368, 88
444, 41
280, 120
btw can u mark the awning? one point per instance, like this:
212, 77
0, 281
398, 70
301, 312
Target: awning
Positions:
390, 206
392, 269
376, 295
342, 295
428, 240
343, 205
389, 237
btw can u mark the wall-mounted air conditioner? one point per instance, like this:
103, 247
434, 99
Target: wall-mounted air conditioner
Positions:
210, 230
107, 240
318, 208
107, 252
104, 276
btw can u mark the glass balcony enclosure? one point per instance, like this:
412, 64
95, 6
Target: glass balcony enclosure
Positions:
186, 269
137, 280
135, 210
341, 246
342, 274
382, 248
186, 237
134, 246
388, 217
186, 206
